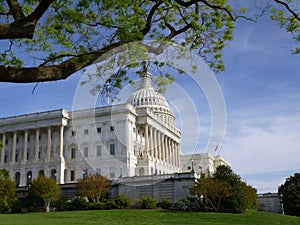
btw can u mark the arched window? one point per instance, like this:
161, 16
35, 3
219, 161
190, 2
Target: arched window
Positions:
17, 179
53, 174
41, 173
29, 178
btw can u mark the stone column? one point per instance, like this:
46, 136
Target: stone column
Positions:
159, 146
163, 147
3, 149
151, 141
49, 144
61, 142
14, 145
25, 145
154, 143
146, 140
136, 142
37, 144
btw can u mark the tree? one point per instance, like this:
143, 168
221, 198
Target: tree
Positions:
225, 191
7, 191
64, 37
290, 193
93, 187
238, 201
213, 191
45, 188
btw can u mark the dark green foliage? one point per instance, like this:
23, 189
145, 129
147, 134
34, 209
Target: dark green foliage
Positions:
97, 205
146, 202
82, 203
7, 191
190, 204
165, 204
79, 203
120, 202
290, 192
46, 189
225, 191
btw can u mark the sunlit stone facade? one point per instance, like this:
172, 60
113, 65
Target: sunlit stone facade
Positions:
132, 139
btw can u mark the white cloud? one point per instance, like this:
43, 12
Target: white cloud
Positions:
256, 145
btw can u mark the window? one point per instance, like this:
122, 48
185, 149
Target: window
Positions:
98, 129
73, 133
188, 167
29, 178
86, 131
111, 128
53, 174
86, 152
98, 171
73, 153
112, 149
112, 172
134, 130
85, 173
98, 150
72, 175
17, 178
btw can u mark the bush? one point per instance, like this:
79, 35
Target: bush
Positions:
97, 205
121, 202
62, 204
79, 203
165, 203
190, 204
146, 202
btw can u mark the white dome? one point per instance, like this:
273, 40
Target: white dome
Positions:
146, 96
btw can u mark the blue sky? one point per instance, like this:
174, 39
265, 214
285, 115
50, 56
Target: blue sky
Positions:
262, 97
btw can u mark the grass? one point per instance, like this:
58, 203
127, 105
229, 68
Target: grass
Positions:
146, 217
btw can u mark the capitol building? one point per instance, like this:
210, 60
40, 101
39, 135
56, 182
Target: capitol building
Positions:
134, 139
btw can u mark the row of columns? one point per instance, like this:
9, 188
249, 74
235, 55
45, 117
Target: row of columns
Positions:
158, 145
37, 144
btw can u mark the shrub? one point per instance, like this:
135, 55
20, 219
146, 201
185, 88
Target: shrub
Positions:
146, 202
97, 205
121, 202
62, 204
79, 203
165, 203
182, 205
190, 204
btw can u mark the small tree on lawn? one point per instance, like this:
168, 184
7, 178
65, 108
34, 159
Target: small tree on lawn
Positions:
93, 187
290, 192
7, 191
213, 191
45, 188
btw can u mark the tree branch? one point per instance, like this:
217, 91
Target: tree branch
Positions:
192, 2
53, 72
23, 27
288, 8
15, 9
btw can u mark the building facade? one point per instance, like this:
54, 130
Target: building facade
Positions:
202, 163
137, 138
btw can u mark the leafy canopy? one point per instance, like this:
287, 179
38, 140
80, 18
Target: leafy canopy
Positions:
52, 39
290, 192
93, 187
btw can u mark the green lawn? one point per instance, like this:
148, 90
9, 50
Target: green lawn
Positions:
145, 217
